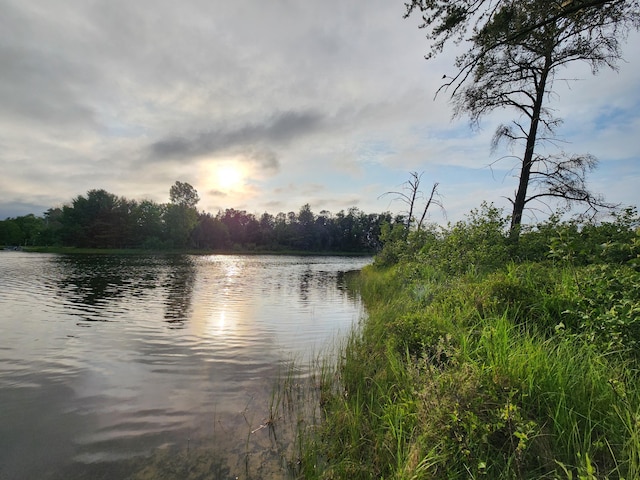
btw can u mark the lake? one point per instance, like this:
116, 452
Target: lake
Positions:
139, 366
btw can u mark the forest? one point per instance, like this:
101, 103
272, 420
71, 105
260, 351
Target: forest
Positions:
101, 219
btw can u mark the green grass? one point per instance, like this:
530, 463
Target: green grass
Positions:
492, 375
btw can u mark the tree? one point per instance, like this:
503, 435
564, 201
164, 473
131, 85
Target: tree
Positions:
147, 218
243, 227
410, 195
99, 220
179, 221
10, 233
282, 230
182, 193
516, 49
181, 216
323, 225
447, 21
25, 230
306, 238
266, 225
210, 233
52, 227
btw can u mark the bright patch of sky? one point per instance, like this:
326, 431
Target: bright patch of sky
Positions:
266, 107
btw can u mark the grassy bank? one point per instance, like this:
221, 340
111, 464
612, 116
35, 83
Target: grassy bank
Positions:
516, 364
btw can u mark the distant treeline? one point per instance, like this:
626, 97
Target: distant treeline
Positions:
101, 219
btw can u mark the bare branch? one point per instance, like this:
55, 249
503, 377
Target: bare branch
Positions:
409, 196
429, 202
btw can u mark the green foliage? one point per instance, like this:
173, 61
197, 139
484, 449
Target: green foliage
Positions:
613, 242
508, 369
183, 194
19, 231
393, 238
180, 220
608, 307
418, 334
155, 243
478, 242
210, 233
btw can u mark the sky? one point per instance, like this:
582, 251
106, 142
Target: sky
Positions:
267, 106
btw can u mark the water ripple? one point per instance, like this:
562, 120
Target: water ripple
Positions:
109, 357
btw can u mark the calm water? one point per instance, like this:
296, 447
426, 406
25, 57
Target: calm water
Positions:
127, 366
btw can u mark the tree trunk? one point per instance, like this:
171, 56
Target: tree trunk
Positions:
527, 161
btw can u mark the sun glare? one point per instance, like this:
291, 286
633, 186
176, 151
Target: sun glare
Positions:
229, 176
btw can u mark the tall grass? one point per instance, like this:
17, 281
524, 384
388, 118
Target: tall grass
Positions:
478, 375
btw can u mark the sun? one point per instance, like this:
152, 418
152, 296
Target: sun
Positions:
229, 176
224, 175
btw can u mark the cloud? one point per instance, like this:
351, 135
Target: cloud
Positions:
130, 96
278, 130
217, 193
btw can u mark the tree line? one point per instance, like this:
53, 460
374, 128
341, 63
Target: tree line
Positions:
100, 219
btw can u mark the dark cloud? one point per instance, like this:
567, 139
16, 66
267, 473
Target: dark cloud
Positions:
266, 159
277, 130
217, 193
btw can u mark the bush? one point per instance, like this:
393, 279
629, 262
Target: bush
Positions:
609, 307
484, 359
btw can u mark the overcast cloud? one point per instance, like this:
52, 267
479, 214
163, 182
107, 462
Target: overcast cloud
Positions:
329, 103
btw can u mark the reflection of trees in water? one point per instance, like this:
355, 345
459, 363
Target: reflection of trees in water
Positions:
346, 285
303, 284
91, 280
317, 282
94, 281
179, 287
322, 282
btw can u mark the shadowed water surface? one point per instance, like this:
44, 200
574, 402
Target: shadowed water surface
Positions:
120, 366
